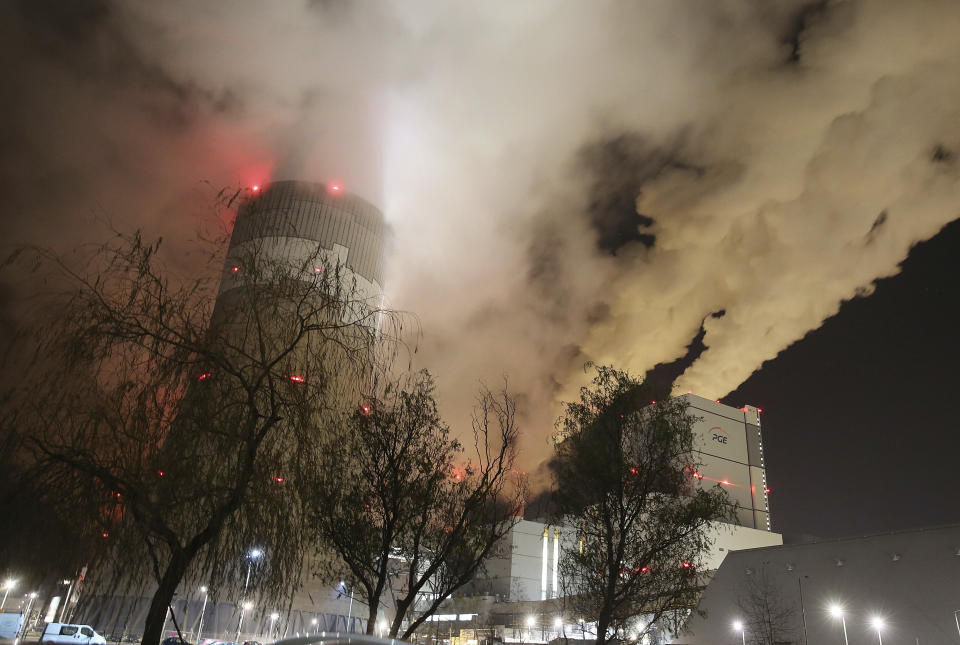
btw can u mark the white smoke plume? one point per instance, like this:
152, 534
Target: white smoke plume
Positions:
567, 181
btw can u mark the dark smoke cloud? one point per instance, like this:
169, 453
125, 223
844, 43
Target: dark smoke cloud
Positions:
568, 181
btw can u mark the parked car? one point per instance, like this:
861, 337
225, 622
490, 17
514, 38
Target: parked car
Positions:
69, 634
174, 640
339, 638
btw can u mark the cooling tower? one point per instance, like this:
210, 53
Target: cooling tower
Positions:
293, 219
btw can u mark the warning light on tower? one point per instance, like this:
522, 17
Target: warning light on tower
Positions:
335, 187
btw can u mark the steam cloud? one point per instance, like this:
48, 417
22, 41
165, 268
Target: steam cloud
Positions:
567, 181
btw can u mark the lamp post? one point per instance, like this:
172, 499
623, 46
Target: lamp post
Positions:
837, 612
877, 623
63, 610
8, 584
273, 622
738, 627
26, 615
343, 585
253, 555
244, 608
531, 622
202, 610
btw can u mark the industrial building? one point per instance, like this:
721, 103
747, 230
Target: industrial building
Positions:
899, 587
522, 579
295, 223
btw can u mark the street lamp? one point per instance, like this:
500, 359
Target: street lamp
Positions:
202, 609
837, 612
253, 555
273, 622
877, 623
343, 586
8, 584
738, 627
383, 627
26, 614
244, 608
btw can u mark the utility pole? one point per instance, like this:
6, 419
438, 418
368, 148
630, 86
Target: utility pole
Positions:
202, 610
803, 613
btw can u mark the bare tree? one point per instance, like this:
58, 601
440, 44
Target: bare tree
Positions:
768, 616
624, 472
415, 515
177, 431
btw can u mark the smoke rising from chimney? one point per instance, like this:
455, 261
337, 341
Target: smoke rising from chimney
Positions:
567, 181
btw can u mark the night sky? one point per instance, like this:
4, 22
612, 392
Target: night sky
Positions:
859, 420
567, 182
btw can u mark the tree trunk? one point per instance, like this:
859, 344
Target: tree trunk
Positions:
402, 606
153, 628
603, 623
372, 615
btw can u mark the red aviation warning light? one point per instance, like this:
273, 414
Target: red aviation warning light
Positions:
255, 188
365, 409
335, 187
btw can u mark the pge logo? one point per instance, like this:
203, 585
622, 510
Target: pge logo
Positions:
719, 434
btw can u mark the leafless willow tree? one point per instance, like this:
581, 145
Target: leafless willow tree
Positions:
624, 481
421, 514
768, 615
179, 431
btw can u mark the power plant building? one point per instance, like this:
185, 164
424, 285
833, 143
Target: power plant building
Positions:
729, 447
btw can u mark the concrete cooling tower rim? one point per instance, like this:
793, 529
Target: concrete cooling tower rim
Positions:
292, 209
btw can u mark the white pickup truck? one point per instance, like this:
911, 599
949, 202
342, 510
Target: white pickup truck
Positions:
67, 634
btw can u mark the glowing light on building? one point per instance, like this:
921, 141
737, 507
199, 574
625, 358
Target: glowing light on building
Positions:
556, 563
543, 565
